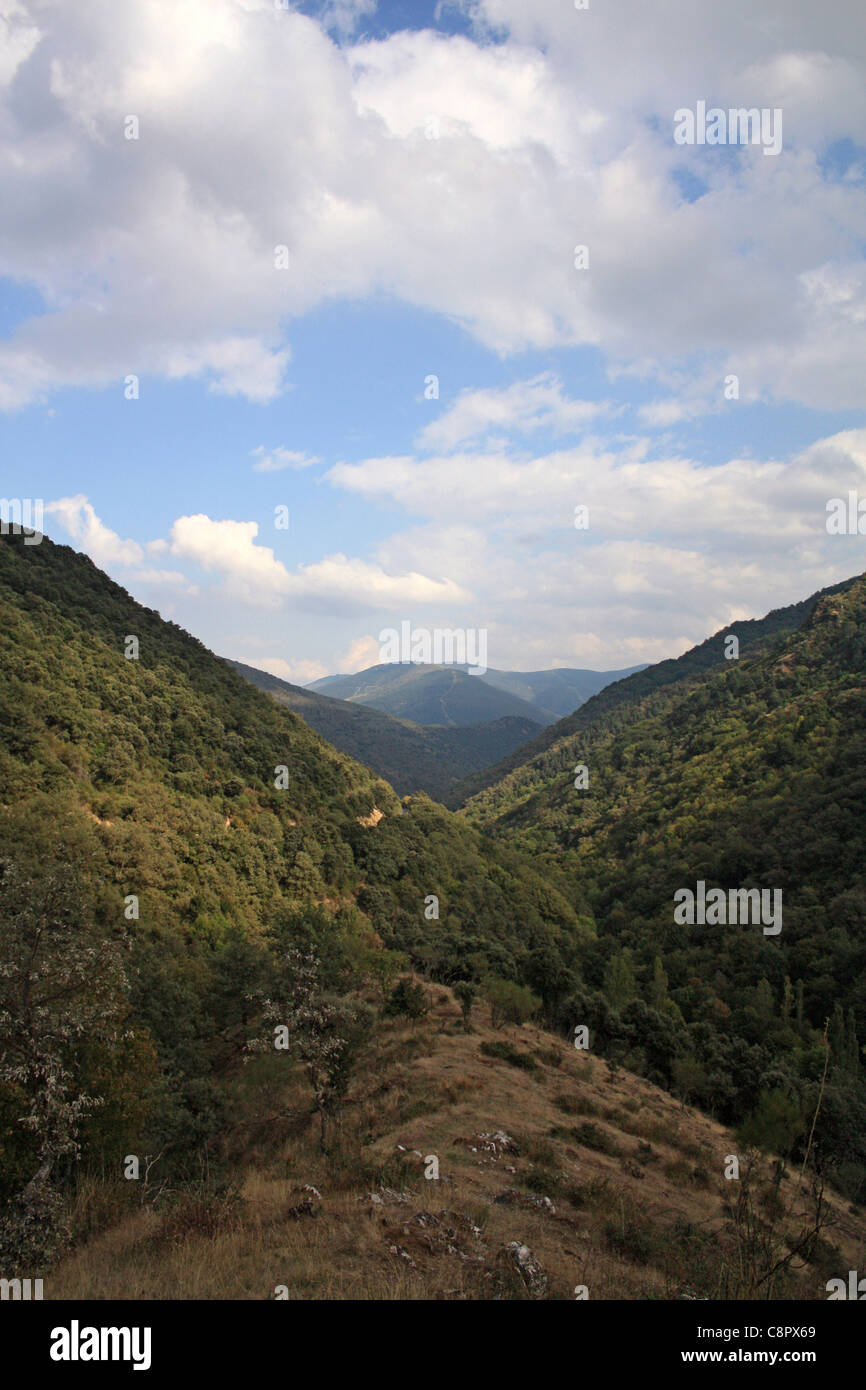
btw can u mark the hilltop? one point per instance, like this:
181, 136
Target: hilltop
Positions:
449, 694
620, 701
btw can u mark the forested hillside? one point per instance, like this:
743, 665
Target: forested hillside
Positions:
175, 845
412, 757
620, 702
188, 871
746, 773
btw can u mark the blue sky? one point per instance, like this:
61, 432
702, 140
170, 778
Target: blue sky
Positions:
431, 171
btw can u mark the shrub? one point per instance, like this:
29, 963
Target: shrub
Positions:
510, 1003
504, 1052
407, 999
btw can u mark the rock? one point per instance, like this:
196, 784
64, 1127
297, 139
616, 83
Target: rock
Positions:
495, 1143
521, 1259
385, 1196
402, 1255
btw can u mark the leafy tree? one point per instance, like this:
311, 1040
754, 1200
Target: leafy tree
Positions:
407, 998
326, 1034
61, 988
466, 993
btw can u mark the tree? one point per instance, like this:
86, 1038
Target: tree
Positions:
61, 988
325, 1031
407, 998
619, 979
659, 991
465, 992
776, 1123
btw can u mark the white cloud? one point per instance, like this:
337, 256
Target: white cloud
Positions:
522, 407
295, 672
363, 653
251, 572
104, 546
628, 491
355, 583
157, 255
18, 39
674, 550
275, 460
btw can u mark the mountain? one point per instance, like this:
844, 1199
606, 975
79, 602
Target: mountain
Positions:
222, 941
450, 695
617, 702
746, 773
412, 757
558, 691
176, 844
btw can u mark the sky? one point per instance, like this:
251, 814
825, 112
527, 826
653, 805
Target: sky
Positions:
318, 264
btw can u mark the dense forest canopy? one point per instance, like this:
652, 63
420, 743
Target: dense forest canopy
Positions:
741, 773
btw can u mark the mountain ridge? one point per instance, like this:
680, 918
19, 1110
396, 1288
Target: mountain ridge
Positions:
625, 693
450, 694
411, 757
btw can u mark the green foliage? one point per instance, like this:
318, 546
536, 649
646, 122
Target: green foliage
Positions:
504, 1051
466, 994
407, 999
154, 780
747, 773
412, 756
775, 1124
510, 1003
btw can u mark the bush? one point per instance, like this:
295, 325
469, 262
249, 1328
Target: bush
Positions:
510, 1003
504, 1052
407, 999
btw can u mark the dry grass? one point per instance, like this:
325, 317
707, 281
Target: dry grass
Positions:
635, 1178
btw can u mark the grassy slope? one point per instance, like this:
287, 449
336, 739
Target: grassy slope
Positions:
636, 1180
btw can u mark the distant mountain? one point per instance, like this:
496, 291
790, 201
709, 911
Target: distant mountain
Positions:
450, 695
412, 757
559, 690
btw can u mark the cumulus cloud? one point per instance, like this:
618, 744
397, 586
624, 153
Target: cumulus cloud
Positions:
295, 672
104, 546
355, 583
520, 408
159, 254
252, 573
630, 491
674, 549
